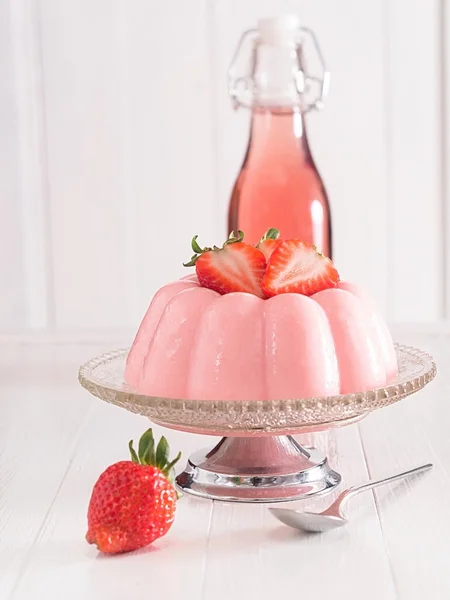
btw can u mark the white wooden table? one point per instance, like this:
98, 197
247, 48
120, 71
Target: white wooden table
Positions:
55, 440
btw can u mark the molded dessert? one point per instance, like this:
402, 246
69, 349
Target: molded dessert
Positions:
194, 343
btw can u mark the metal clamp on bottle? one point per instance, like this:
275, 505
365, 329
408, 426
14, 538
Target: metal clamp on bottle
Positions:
280, 32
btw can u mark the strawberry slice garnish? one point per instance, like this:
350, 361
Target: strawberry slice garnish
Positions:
236, 267
297, 267
269, 242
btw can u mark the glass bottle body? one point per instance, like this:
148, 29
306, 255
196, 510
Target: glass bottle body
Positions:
279, 185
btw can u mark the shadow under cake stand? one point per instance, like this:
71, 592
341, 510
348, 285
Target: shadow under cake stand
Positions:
257, 459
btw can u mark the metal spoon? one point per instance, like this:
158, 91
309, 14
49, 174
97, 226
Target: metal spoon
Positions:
333, 516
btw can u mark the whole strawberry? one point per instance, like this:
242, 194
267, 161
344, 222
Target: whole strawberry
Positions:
133, 502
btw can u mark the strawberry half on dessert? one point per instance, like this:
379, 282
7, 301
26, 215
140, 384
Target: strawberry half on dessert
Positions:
235, 267
297, 267
269, 241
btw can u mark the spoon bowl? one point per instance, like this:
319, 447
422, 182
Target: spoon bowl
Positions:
333, 516
307, 521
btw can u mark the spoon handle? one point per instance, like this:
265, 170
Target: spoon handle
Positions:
375, 483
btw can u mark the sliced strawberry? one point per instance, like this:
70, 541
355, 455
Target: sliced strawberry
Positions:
236, 267
269, 242
268, 246
297, 267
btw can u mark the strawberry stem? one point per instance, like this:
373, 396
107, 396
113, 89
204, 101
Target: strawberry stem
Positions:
169, 470
147, 456
235, 237
198, 250
134, 456
271, 234
195, 247
171, 465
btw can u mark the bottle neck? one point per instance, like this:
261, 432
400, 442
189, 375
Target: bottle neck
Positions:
277, 77
278, 133
278, 126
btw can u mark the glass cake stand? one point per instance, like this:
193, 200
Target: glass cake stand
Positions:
257, 459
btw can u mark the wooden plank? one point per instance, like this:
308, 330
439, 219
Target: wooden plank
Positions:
82, 94
129, 146
414, 514
250, 554
99, 84
172, 566
413, 156
45, 484
242, 537
167, 150
39, 423
348, 138
32, 172
445, 116
12, 272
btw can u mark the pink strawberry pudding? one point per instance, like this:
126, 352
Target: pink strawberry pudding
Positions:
205, 343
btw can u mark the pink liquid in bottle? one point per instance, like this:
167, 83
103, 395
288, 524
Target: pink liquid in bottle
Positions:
279, 185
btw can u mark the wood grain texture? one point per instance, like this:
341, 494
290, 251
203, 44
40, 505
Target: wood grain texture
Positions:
129, 142
38, 428
82, 95
169, 567
414, 515
414, 146
13, 306
246, 540
167, 148
55, 440
445, 103
119, 143
32, 174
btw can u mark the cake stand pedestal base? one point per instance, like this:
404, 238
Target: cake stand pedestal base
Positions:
262, 467
258, 469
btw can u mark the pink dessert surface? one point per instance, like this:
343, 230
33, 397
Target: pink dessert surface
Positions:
194, 343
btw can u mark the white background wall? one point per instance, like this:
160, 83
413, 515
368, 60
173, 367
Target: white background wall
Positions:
118, 143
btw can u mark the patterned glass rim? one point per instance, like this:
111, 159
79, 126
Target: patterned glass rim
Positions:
102, 376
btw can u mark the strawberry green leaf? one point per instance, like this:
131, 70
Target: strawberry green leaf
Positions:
170, 466
134, 456
198, 250
271, 234
147, 448
170, 475
195, 247
191, 263
162, 453
234, 237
